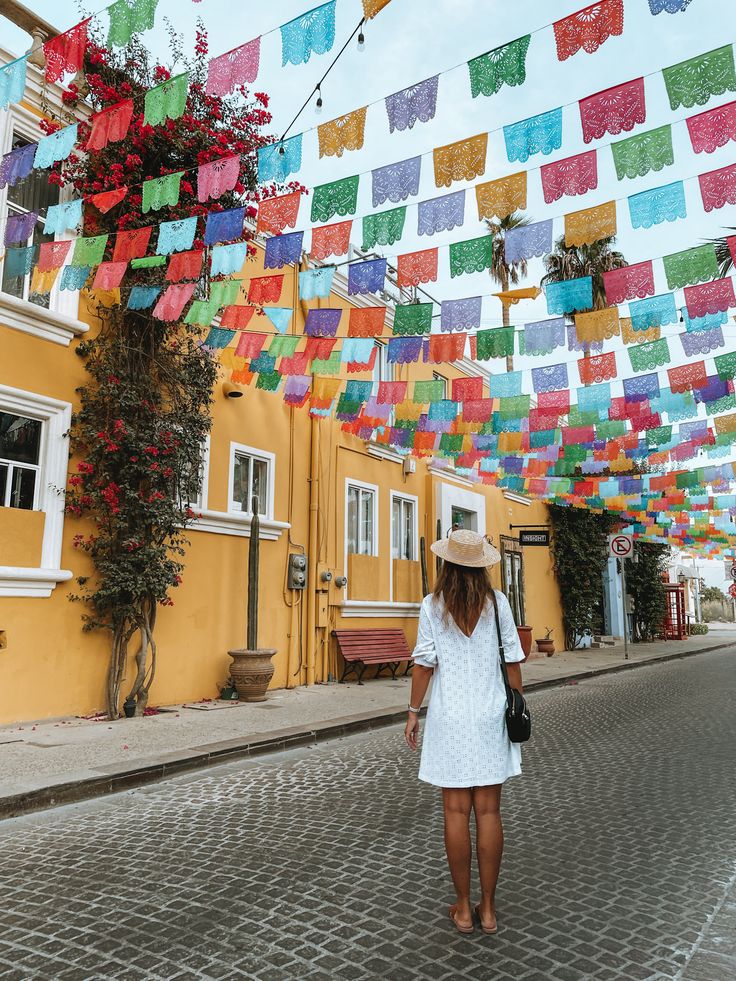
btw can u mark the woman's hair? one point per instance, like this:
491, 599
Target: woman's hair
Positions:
464, 591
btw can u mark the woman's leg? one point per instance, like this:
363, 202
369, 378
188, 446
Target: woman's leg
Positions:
489, 846
458, 802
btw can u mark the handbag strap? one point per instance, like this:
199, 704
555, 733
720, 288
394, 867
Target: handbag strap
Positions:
502, 656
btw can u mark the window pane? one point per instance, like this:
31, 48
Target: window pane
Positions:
20, 438
22, 486
352, 520
34, 193
260, 484
396, 529
3, 482
241, 482
408, 530
366, 522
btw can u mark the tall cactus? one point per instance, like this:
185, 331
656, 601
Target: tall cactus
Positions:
253, 560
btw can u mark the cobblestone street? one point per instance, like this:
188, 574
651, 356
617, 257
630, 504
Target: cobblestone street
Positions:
327, 863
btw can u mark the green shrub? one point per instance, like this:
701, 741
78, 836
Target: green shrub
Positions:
698, 629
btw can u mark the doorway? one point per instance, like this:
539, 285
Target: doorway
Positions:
512, 568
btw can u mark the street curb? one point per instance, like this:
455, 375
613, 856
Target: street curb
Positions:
177, 763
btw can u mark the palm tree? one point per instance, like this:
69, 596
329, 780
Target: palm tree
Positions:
572, 262
505, 273
723, 253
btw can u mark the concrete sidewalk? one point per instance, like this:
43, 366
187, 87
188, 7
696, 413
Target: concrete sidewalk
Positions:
54, 762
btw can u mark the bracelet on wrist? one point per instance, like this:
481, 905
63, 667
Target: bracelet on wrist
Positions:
416, 711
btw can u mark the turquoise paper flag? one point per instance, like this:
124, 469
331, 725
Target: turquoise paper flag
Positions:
279, 317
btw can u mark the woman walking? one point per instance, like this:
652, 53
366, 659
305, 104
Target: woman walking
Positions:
466, 750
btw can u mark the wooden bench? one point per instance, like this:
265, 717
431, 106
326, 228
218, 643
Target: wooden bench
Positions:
361, 648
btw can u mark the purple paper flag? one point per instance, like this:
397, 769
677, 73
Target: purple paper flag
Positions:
16, 165
322, 323
461, 314
366, 277
19, 228
224, 226
441, 214
283, 250
418, 102
396, 182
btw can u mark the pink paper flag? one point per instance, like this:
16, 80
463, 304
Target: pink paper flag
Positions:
571, 176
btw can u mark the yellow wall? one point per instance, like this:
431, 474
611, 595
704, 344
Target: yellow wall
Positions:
51, 668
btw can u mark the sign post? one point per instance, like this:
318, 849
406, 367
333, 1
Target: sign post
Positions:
622, 547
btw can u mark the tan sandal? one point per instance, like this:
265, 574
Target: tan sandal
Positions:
487, 930
460, 929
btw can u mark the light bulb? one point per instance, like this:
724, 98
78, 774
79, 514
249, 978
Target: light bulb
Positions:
282, 151
318, 104
361, 41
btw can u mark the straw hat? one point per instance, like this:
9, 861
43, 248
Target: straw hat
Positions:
463, 547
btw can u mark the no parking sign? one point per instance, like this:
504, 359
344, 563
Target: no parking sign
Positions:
620, 546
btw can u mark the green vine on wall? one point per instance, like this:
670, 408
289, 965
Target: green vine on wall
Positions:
579, 556
645, 585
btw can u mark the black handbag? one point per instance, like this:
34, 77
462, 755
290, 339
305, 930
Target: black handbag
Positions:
518, 717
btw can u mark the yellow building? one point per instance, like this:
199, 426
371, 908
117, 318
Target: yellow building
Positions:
353, 508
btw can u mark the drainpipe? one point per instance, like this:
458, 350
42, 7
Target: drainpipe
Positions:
312, 545
312, 551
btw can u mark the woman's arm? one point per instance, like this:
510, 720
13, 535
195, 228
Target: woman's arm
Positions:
514, 672
419, 683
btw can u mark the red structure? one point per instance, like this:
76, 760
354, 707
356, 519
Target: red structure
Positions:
674, 625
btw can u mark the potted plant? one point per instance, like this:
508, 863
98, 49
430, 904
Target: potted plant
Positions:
525, 639
252, 670
545, 645
228, 692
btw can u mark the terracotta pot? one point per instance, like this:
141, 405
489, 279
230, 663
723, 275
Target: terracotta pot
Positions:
251, 672
525, 638
545, 646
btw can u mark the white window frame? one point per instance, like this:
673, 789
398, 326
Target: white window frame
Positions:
373, 488
451, 495
60, 322
14, 465
270, 460
414, 501
55, 417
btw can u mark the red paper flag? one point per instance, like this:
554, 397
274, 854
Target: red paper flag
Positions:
572, 176
237, 317
185, 265
615, 110
629, 283
366, 321
588, 29
65, 54
598, 369
110, 125
329, 240
276, 214
108, 199
131, 245
265, 289
416, 268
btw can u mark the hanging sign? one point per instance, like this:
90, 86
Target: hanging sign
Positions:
532, 537
621, 546
733, 571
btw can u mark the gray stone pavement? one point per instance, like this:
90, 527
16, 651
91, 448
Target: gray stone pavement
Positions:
327, 863
48, 756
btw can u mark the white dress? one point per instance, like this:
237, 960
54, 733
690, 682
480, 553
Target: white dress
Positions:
465, 740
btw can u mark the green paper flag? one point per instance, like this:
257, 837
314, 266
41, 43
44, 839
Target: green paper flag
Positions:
497, 343
269, 381
610, 429
331, 366
149, 261
659, 436
89, 251
693, 82
473, 255
429, 391
516, 407
128, 18
335, 198
726, 365
412, 318
161, 192
283, 346
637, 155
166, 101
202, 313
225, 292
502, 66
647, 357
451, 444
384, 228
692, 266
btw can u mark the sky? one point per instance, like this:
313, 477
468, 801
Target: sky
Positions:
411, 40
